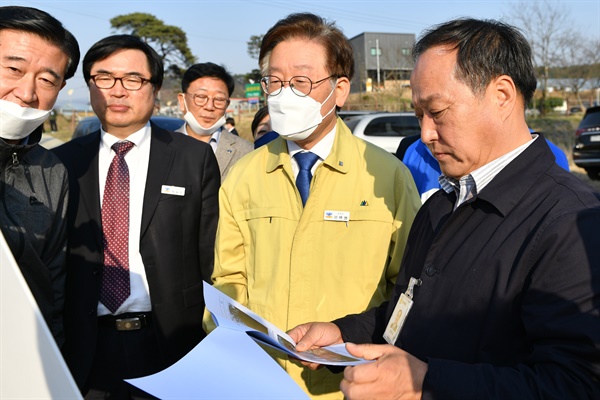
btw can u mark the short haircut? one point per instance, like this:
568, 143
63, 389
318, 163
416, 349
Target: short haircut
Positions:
259, 116
230, 121
486, 49
210, 70
44, 25
340, 58
111, 44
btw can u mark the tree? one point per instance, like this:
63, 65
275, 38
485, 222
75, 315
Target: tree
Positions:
254, 45
578, 61
547, 26
170, 42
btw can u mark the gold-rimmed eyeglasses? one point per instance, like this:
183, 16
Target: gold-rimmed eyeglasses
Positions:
300, 85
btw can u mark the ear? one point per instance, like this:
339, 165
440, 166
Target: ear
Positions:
505, 95
181, 102
342, 90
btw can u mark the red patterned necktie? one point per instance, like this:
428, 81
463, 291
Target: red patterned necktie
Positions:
115, 287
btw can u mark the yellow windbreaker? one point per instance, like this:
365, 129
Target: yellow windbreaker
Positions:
289, 264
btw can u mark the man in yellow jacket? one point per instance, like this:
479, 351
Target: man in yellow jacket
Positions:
302, 240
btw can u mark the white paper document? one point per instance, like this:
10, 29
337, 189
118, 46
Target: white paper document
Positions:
229, 364
228, 313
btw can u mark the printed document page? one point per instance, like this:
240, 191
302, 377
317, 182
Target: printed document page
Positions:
228, 313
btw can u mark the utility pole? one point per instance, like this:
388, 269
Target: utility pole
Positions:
377, 52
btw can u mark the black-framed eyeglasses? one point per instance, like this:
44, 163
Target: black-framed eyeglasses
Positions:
201, 99
300, 85
129, 82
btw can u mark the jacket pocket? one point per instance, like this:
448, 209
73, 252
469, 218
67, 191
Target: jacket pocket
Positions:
374, 215
262, 212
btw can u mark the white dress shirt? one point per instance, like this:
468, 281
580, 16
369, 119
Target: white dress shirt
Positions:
137, 161
322, 149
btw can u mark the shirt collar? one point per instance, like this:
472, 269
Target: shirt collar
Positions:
322, 148
136, 138
469, 186
216, 136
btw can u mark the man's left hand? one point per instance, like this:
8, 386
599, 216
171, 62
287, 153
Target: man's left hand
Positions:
394, 374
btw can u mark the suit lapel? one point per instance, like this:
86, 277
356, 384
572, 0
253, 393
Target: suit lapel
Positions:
161, 160
88, 181
225, 151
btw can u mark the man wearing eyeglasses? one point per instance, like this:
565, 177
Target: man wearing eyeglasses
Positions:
142, 219
204, 97
296, 240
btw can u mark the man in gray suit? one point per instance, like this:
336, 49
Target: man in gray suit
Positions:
206, 89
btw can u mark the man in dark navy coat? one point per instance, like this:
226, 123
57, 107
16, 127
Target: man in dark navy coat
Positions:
502, 266
168, 247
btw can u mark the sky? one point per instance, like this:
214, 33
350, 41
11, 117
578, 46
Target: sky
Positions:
218, 31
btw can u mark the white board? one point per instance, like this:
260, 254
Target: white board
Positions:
31, 365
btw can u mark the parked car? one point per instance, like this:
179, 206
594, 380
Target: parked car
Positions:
385, 130
345, 114
586, 153
90, 124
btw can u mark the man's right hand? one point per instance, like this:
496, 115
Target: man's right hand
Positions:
314, 335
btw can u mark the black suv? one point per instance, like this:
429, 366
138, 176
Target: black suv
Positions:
586, 153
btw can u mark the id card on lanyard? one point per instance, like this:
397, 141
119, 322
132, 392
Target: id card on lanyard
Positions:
400, 313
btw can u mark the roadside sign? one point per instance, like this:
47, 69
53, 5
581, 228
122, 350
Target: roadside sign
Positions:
253, 90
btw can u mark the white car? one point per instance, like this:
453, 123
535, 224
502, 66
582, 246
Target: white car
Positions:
385, 130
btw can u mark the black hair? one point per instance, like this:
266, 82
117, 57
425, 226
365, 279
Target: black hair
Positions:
44, 25
111, 44
259, 116
210, 70
340, 57
486, 49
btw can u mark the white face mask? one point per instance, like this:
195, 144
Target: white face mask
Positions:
199, 129
294, 117
18, 122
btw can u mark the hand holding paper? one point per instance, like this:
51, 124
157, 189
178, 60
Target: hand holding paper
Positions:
228, 313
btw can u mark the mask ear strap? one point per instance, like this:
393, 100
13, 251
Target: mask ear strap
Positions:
330, 93
325, 101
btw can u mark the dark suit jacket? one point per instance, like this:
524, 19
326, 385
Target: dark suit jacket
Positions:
176, 244
509, 306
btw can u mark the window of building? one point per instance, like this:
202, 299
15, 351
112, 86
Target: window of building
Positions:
374, 51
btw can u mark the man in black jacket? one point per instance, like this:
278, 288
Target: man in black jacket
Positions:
37, 56
502, 269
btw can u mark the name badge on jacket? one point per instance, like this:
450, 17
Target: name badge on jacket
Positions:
400, 313
174, 190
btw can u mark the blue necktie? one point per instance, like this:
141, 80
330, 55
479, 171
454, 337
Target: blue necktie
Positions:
305, 160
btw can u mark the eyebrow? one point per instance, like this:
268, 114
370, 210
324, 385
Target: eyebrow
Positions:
216, 90
133, 73
21, 59
302, 67
429, 99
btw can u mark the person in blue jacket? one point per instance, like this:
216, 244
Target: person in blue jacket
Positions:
425, 169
